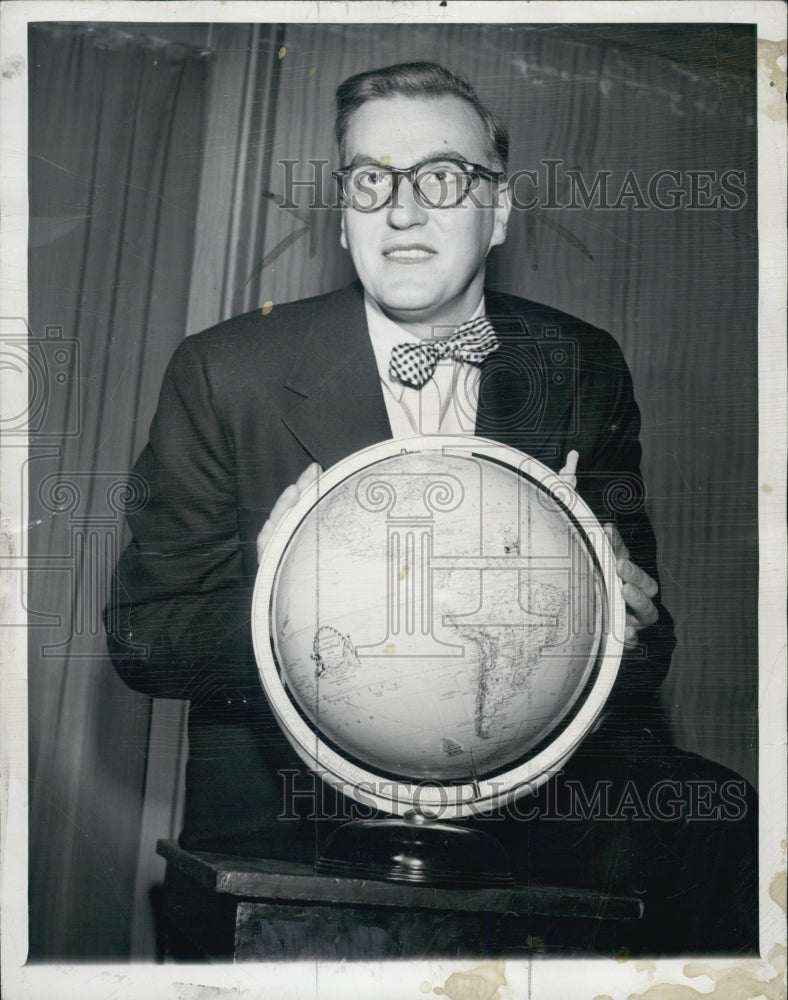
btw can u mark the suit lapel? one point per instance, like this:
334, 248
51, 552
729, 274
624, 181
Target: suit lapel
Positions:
527, 390
338, 405
527, 387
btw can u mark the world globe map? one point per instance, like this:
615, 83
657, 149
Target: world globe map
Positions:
437, 619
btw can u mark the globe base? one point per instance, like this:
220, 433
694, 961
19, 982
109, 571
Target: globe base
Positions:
416, 849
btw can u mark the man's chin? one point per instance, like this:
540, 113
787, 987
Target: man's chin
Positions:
413, 308
410, 310
424, 303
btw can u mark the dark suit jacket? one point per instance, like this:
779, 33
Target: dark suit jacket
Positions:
244, 408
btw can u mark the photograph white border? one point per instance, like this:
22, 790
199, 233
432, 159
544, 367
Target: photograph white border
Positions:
600, 979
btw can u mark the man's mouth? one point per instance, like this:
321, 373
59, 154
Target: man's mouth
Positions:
413, 253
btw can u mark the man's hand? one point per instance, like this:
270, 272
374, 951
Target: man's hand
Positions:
638, 589
289, 498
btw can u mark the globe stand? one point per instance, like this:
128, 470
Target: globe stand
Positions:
417, 849
471, 627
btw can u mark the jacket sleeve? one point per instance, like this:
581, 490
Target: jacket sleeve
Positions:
610, 481
178, 620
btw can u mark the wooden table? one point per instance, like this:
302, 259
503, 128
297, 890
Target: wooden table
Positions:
221, 908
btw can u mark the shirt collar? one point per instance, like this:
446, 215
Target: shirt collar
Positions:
384, 334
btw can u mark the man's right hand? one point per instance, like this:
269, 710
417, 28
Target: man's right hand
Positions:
289, 498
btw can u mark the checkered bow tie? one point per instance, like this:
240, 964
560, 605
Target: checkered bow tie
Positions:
415, 364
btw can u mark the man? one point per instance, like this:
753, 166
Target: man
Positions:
252, 409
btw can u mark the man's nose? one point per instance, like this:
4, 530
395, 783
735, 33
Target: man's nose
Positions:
404, 212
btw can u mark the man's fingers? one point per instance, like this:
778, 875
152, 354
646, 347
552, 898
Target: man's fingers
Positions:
630, 636
620, 550
287, 499
264, 538
638, 587
641, 606
308, 477
628, 572
290, 497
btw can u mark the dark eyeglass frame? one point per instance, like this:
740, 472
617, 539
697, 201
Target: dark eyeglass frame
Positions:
470, 170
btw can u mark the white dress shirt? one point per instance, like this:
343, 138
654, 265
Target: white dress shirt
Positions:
446, 404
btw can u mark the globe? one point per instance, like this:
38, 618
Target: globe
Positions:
437, 625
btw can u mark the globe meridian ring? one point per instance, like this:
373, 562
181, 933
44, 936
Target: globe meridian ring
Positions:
309, 699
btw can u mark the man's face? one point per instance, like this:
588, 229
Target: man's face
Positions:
423, 266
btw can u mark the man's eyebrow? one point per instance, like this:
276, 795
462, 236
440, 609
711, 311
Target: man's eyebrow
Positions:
385, 161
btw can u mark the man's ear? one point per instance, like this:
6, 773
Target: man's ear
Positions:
342, 236
502, 209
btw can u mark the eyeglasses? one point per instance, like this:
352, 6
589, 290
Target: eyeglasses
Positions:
437, 183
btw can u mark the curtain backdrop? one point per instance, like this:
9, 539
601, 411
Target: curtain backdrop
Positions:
115, 154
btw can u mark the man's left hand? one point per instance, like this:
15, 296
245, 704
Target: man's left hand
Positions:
637, 588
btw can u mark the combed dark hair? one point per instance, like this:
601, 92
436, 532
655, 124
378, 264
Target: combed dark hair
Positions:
416, 79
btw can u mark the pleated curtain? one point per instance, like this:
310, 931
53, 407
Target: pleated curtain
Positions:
116, 124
